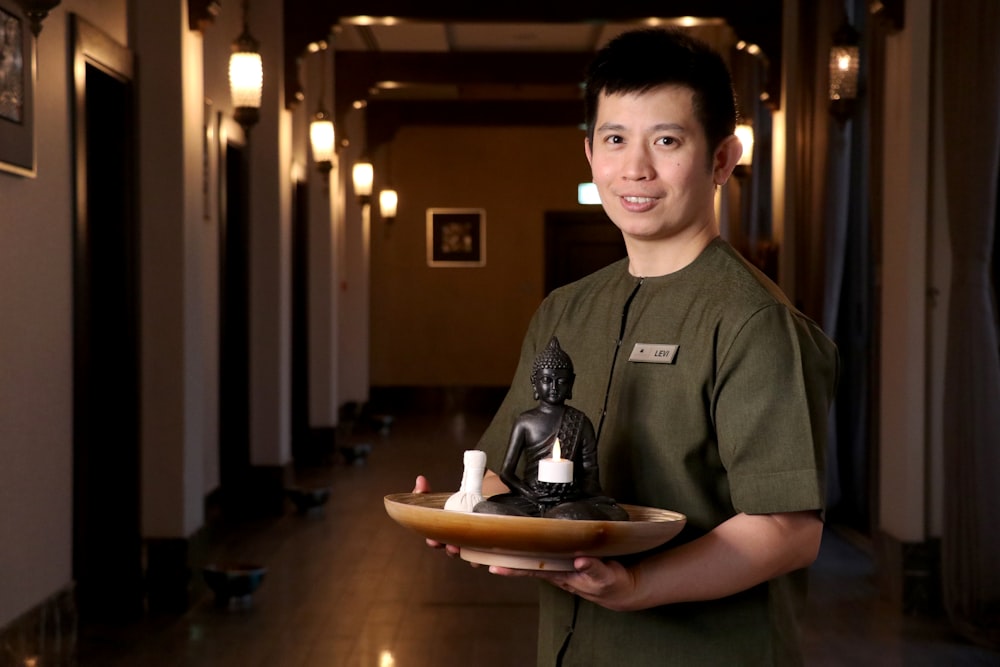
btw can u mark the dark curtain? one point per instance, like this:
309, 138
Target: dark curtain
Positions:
846, 301
966, 46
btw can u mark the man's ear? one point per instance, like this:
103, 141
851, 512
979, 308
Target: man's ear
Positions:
588, 151
726, 156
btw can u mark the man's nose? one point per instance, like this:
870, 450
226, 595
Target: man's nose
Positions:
638, 164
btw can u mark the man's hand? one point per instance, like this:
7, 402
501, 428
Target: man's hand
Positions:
421, 485
607, 583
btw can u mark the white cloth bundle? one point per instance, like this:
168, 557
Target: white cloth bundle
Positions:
471, 491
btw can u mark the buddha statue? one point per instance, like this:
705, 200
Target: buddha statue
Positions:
557, 446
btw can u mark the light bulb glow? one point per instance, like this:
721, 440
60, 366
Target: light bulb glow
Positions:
745, 134
363, 175
246, 79
387, 203
321, 136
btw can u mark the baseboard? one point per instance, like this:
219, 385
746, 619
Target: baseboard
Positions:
909, 574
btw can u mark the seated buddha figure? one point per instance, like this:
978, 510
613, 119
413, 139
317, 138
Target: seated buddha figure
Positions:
534, 436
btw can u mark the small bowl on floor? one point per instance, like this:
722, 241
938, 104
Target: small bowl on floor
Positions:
233, 583
308, 499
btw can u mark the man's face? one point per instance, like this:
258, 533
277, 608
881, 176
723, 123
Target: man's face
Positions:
649, 160
553, 385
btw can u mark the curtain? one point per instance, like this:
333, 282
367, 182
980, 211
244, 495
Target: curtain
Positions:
847, 286
969, 61
837, 194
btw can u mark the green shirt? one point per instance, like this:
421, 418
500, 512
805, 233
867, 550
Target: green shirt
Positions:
735, 422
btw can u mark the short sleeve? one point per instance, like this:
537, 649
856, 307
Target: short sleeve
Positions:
770, 408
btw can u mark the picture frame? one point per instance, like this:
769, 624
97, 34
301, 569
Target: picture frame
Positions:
456, 237
17, 92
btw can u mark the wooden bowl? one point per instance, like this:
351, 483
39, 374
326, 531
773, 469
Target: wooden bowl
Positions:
528, 542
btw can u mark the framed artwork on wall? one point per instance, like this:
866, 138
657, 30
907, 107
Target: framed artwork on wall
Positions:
17, 92
456, 237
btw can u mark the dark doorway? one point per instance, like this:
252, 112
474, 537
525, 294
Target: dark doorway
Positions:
996, 246
234, 321
578, 243
107, 544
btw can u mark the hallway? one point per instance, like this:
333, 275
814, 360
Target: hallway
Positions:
347, 587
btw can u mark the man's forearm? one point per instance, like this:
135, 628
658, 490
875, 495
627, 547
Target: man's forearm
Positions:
738, 554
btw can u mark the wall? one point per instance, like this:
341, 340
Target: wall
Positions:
904, 319
36, 333
440, 327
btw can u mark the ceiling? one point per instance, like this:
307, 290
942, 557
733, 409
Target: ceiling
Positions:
519, 62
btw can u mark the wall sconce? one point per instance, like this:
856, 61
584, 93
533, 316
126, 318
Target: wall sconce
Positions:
387, 203
246, 76
321, 133
744, 132
363, 176
845, 60
321, 136
36, 11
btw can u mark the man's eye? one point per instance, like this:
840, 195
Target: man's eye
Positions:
666, 141
613, 139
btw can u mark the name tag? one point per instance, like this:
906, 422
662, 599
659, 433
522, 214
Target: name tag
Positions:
653, 353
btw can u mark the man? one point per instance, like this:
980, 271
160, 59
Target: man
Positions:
709, 390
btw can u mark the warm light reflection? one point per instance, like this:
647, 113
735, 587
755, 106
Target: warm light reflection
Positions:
364, 19
683, 21
386, 659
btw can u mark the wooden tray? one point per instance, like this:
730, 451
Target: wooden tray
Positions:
528, 542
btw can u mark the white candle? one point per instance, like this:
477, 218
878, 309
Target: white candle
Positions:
555, 469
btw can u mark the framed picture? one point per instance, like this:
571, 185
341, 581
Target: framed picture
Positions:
17, 92
456, 237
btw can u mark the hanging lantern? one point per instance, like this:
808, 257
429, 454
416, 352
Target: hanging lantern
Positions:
845, 61
744, 132
321, 132
246, 76
36, 11
321, 136
363, 176
387, 203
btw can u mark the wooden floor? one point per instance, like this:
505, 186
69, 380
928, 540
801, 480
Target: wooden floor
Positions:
348, 587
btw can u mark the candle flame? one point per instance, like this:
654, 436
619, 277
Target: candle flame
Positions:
556, 450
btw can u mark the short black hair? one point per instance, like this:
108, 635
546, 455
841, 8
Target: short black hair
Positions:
640, 60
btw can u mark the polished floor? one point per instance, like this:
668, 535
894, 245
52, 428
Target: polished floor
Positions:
348, 587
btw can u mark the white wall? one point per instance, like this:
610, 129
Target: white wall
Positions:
270, 251
903, 464
36, 333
